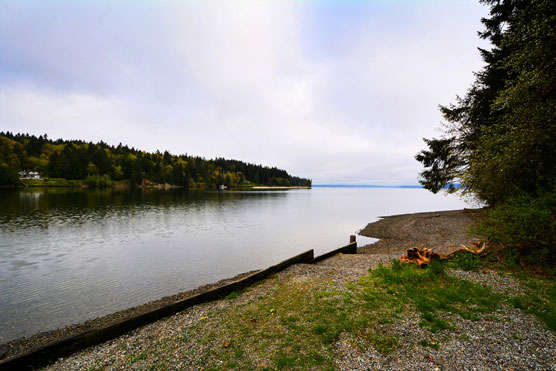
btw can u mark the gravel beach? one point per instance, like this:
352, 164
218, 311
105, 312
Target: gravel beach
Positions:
503, 340
507, 339
442, 231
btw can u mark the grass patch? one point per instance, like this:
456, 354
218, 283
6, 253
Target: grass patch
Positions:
428, 344
296, 325
232, 295
432, 292
536, 280
97, 366
465, 337
539, 299
134, 358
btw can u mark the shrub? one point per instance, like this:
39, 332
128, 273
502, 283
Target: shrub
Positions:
523, 221
8, 176
526, 226
466, 261
98, 181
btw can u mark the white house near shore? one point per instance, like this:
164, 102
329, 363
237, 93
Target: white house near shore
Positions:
29, 175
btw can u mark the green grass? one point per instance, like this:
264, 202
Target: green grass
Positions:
433, 293
536, 280
429, 344
539, 299
297, 322
134, 358
465, 337
297, 325
97, 366
232, 295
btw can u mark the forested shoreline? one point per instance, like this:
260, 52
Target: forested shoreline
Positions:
100, 164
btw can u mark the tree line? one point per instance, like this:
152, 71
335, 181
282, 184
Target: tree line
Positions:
100, 164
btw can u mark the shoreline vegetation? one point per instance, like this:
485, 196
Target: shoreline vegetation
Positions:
65, 183
355, 312
75, 163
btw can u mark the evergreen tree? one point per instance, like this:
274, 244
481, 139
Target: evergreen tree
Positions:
8, 175
500, 139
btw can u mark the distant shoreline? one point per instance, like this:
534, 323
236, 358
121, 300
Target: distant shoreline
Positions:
65, 183
276, 187
364, 186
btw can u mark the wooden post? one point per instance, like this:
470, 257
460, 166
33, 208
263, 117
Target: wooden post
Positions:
352, 239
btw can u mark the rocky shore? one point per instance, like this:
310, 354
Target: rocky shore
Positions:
442, 231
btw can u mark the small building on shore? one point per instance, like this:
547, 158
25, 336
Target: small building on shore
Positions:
29, 175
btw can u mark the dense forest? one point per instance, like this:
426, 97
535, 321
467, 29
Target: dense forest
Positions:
500, 138
99, 164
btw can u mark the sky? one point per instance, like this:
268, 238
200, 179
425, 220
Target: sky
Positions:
339, 91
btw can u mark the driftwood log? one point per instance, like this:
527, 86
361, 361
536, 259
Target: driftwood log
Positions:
423, 256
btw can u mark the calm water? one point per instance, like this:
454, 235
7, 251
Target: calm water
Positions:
70, 255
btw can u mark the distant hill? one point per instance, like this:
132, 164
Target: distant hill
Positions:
102, 164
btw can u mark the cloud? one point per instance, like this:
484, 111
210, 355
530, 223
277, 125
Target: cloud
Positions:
341, 92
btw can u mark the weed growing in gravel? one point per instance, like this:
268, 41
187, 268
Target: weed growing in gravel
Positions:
430, 344
232, 295
465, 337
97, 366
539, 299
134, 358
536, 280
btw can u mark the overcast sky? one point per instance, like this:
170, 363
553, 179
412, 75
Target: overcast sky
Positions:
338, 91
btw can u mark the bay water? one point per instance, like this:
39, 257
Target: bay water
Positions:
68, 255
